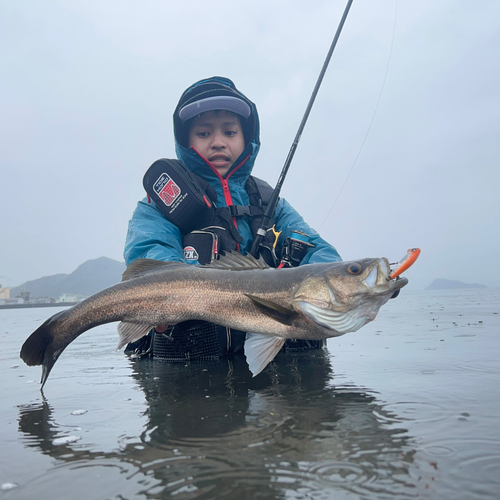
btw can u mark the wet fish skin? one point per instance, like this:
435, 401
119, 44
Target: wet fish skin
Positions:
315, 301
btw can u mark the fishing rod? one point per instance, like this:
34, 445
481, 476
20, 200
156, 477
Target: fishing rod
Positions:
273, 202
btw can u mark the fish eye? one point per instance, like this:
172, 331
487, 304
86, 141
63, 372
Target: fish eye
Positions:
354, 269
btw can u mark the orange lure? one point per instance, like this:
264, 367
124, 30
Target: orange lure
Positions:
407, 261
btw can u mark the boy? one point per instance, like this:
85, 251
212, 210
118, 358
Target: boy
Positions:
216, 131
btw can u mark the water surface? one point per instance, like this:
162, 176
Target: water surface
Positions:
407, 407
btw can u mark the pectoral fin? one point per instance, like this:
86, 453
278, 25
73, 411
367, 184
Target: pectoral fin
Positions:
275, 311
260, 350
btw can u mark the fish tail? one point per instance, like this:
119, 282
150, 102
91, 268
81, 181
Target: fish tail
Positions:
39, 348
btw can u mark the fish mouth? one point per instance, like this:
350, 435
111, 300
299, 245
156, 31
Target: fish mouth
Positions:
400, 282
379, 281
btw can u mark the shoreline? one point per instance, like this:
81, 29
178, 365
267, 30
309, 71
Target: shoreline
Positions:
29, 306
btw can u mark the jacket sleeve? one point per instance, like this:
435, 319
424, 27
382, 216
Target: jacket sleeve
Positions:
288, 219
151, 236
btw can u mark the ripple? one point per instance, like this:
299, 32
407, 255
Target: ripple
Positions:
328, 478
240, 439
484, 468
199, 482
480, 366
337, 473
474, 460
413, 411
439, 450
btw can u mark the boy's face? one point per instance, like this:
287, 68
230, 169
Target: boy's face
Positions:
218, 136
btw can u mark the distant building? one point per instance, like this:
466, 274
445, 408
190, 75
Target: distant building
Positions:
65, 297
43, 300
9, 302
4, 293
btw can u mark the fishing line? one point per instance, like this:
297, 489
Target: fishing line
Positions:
409, 275
371, 122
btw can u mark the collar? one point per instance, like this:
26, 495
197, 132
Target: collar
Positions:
239, 171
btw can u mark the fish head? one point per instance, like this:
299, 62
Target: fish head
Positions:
344, 296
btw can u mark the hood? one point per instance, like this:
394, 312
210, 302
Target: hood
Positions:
217, 86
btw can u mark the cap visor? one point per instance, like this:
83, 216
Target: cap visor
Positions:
226, 103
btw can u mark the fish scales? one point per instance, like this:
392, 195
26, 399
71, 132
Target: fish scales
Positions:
212, 296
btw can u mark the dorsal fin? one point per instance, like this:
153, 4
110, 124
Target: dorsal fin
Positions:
234, 261
140, 267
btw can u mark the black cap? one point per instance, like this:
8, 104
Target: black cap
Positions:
208, 95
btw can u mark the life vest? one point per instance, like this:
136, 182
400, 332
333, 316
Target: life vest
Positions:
189, 201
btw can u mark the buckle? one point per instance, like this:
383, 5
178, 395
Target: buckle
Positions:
238, 210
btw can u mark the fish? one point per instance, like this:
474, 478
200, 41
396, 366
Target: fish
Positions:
312, 302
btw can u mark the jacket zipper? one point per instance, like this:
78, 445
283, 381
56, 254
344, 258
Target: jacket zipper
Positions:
225, 185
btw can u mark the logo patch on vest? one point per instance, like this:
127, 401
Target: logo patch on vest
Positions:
190, 253
166, 189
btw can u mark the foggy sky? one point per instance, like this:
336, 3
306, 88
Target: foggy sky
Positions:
88, 88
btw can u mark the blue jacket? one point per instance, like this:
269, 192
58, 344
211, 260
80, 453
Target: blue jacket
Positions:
150, 235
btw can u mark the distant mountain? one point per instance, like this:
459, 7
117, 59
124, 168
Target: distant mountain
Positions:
87, 279
442, 284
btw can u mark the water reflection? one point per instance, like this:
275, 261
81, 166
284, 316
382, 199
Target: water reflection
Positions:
213, 431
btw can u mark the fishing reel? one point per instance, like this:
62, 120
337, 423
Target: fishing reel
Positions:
294, 249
